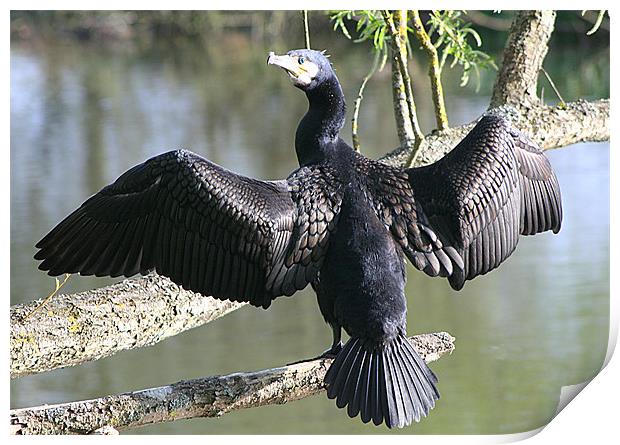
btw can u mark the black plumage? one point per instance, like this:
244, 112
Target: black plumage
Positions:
341, 222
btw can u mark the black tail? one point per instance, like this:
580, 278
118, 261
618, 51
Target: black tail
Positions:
382, 382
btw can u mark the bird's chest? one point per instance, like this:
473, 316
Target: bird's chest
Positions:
362, 254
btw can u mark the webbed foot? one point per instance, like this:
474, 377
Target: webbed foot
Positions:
329, 353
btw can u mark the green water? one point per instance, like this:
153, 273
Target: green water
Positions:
82, 115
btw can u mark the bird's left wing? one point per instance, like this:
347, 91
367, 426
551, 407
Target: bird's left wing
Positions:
461, 216
206, 228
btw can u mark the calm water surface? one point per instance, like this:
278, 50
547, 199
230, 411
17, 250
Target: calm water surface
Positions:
82, 116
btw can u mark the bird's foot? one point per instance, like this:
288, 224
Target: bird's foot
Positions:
333, 351
329, 353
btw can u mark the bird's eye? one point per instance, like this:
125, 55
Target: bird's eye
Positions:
301, 60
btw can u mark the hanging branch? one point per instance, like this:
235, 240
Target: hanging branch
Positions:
358, 100
203, 397
434, 70
304, 14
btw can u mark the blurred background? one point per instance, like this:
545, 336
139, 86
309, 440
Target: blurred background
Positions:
96, 92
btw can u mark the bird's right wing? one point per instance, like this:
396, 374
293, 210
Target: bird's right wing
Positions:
208, 229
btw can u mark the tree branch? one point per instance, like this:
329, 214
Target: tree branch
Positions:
550, 127
72, 329
204, 397
434, 73
358, 101
304, 17
523, 57
405, 111
493, 22
515, 89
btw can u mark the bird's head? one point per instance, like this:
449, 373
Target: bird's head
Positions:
306, 68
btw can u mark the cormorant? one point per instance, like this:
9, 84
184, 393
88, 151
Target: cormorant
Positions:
340, 222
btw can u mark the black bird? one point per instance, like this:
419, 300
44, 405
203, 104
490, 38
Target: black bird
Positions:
341, 222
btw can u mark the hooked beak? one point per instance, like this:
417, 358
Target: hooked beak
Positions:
301, 72
287, 63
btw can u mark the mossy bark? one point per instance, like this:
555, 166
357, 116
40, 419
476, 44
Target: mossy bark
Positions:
523, 56
548, 126
86, 326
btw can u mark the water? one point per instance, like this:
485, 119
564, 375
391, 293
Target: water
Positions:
81, 116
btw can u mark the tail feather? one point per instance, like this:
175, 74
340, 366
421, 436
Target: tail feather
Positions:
381, 401
411, 404
352, 384
384, 383
367, 389
397, 413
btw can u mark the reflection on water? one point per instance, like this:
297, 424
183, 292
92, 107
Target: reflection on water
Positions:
79, 118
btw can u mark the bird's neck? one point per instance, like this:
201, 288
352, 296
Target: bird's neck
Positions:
317, 133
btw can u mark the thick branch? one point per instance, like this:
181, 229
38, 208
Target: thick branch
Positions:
523, 57
72, 329
550, 127
559, 126
204, 397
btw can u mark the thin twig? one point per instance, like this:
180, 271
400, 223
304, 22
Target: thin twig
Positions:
597, 23
304, 14
434, 71
49, 297
358, 101
562, 103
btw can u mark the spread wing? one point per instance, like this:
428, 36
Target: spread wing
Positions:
471, 206
208, 229
541, 205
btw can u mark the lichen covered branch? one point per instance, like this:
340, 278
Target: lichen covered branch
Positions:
525, 51
548, 126
204, 397
72, 329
